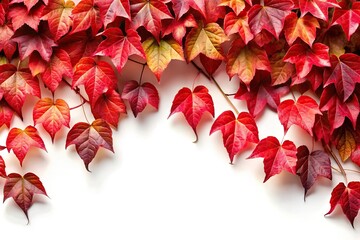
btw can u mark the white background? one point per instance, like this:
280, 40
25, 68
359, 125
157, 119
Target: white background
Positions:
160, 185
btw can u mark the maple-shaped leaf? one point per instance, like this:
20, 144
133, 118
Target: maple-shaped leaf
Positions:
2, 168
182, 7
238, 24
348, 19
345, 140
281, 71
237, 131
210, 65
317, 8
277, 156
20, 141
260, 94
348, 197
311, 166
20, 15
160, 54
193, 105
305, 57
244, 60
22, 189
96, 75
119, 47
149, 13
52, 115
337, 109
28, 3
270, 16
58, 67
117, 8
344, 73
16, 84
29, 40
88, 138
109, 106
206, 40
6, 114
177, 27
236, 5
300, 112
58, 15
315, 78
139, 96
6, 44
321, 128
303, 27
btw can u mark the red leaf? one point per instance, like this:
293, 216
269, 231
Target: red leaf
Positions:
37, 65
193, 104
20, 141
281, 71
182, 7
139, 96
2, 168
344, 74
16, 84
6, 43
277, 157
22, 189
109, 107
52, 115
311, 166
317, 8
348, 197
58, 13
6, 114
209, 64
28, 3
305, 57
117, 8
119, 47
177, 27
89, 138
269, 17
96, 75
237, 132
20, 15
236, 5
321, 128
348, 19
238, 24
301, 113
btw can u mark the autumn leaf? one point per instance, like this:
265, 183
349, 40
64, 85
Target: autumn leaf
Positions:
6, 114
206, 40
96, 75
317, 8
52, 115
109, 107
300, 112
209, 64
177, 27
28, 3
236, 5
348, 19
2, 168
89, 138
321, 128
117, 8
277, 156
238, 24
182, 7
6, 44
312, 165
139, 96
237, 131
193, 105
344, 139
37, 65
58, 15
20, 141
348, 197
160, 54
119, 47
305, 57
20, 15
22, 189
281, 71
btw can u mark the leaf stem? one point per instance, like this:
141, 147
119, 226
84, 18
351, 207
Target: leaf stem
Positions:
142, 72
77, 91
217, 85
83, 102
342, 170
132, 60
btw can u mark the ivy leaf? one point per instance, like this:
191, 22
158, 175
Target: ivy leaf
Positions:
301, 113
177, 27
209, 64
96, 75
344, 74
6, 114
28, 3
117, 8
281, 71
149, 13
321, 128
20, 141
139, 96
269, 17
305, 57
160, 54
22, 189
2, 168
20, 15
344, 139
348, 19
37, 65
109, 107
277, 157
6, 44
237, 132
52, 115
58, 15
317, 8
348, 197
89, 138
119, 47
311, 166
238, 24
244, 60
236, 5
182, 7
16, 84
303, 27
206, 40
193, 105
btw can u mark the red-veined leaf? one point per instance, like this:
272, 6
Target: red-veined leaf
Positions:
6, 114
117, 8
348, 19
238, 24
2, 168
20, 15
281, 71
177, 27
317, 8
236, 5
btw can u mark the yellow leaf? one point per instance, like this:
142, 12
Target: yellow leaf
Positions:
346, 144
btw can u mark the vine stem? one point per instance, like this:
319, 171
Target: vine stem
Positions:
132, 60
217, 85
342, 170
142, 72
77, 106
77, 91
